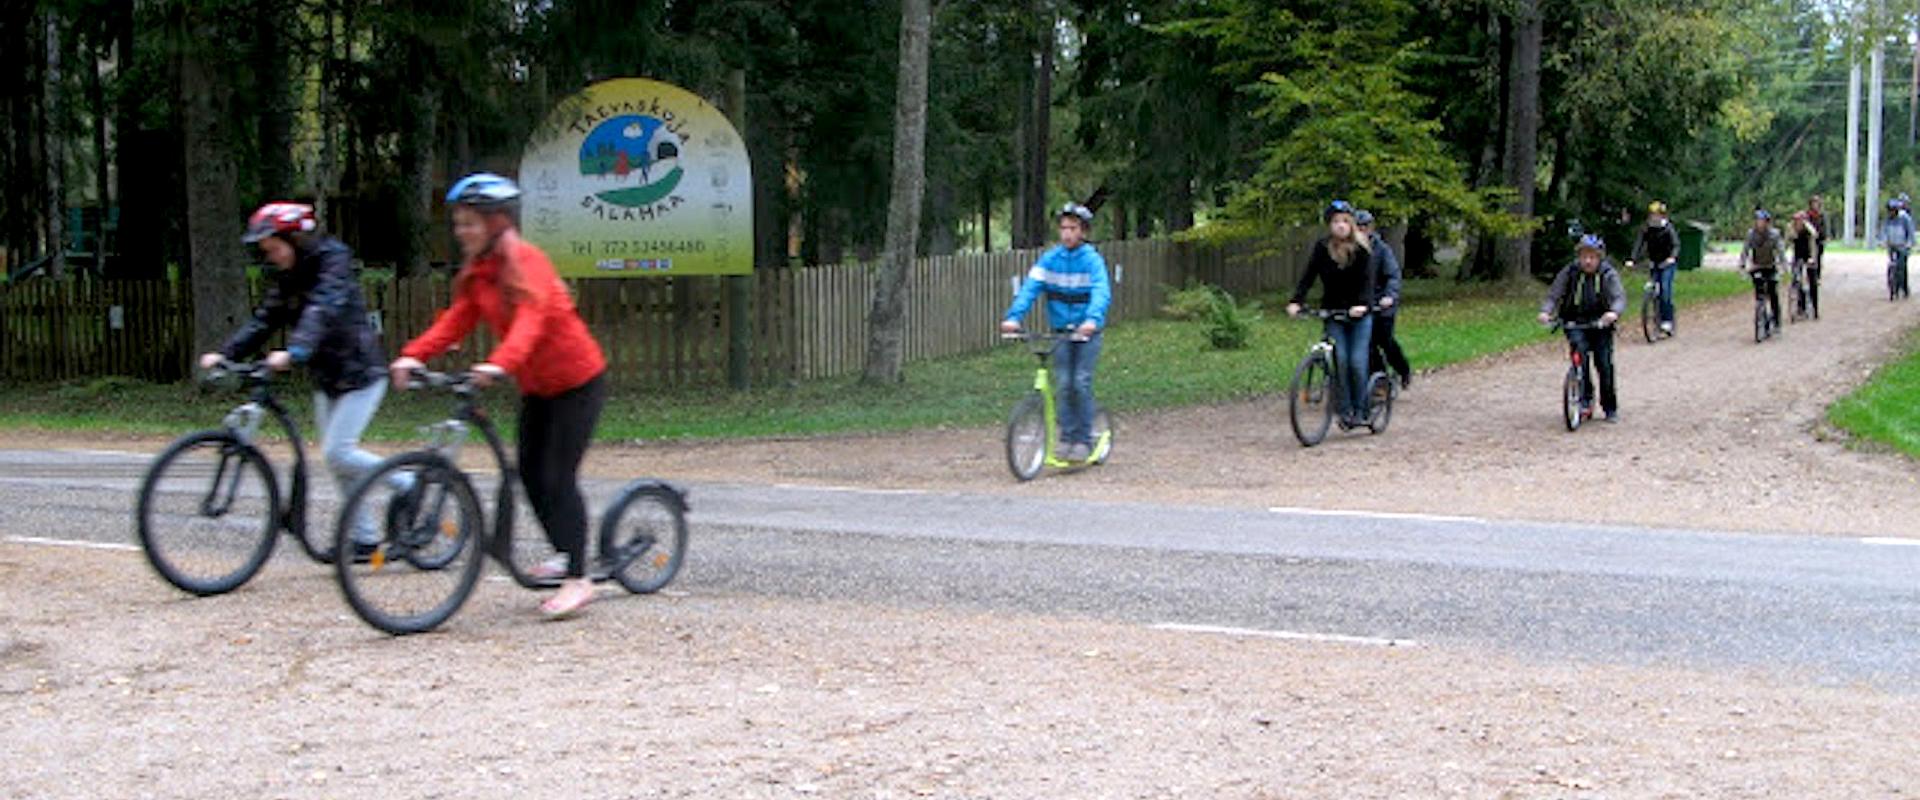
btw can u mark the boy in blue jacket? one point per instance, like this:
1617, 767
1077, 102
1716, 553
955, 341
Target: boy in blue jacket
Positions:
1074, 278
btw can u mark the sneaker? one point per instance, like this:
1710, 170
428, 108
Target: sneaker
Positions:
1406, 381
1613, 417
552, 569
1666, 328
1080, 451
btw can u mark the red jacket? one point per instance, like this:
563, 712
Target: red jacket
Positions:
543, 343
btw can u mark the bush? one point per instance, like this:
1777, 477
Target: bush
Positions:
1192, 303
1229, 325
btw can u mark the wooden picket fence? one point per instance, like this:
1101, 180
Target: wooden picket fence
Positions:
808, 323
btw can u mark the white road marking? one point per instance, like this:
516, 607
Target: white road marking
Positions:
1291, 635
1399, 515
1891, 540
71, 543
847, 489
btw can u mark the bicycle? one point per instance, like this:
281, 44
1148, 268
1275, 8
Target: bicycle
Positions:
1308, 410
210, 507
436, 539
1576, 404
1797, 309
1034, 425
1765, 325
1650, 310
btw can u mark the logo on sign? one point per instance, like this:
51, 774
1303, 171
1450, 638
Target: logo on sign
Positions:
637, 156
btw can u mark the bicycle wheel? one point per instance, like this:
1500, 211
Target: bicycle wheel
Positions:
1102, 437
1379, 402
643, 537
208, 513
1649, 315
1310, 400
391, 589
1759, 321
1796, 302
1570, 399
1027, 437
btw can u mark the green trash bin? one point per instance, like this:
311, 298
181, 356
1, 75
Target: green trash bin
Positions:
1693, 246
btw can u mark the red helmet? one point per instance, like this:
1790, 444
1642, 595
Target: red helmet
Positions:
276, 218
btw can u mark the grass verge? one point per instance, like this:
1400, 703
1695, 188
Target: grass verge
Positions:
1883, 409
1147, 365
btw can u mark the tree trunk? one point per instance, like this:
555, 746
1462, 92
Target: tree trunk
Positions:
416, 173
97, 101
941, 236
273, 88
1017, 212
1041, 136
325, 183
216, 265
1120, 229
54, 130
1523, 130
886, 350
986, 215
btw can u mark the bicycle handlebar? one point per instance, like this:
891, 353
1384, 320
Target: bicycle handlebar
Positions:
251, 372
1031, 336
1563, 325
1336, 314
423, 378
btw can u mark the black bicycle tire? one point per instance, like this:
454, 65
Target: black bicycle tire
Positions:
463, 491
610, 530
143, 505
1649, 309
1313, 362
1759, 321
1030, 405
1570, 399
1379, 413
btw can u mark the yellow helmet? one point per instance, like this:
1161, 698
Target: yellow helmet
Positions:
1657, 207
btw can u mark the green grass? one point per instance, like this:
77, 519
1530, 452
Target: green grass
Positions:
1884, 409
1147, 365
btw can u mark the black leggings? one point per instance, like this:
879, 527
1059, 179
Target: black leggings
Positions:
1387, 349
554, 434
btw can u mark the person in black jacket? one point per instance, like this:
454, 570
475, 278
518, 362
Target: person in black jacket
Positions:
1659, 249
1387, 354
316, 293
1588, 292
1344, 266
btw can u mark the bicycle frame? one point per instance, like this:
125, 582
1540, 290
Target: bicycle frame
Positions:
244, 423
497, 541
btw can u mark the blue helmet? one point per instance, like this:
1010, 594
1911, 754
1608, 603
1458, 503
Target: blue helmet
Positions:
1336, 207
1363, 218
1761, 213
1592, 241
484, 190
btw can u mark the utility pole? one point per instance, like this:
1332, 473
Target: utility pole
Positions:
739, 287
1853, 151
1876, 90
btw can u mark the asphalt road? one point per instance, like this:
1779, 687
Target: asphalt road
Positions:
1820, 608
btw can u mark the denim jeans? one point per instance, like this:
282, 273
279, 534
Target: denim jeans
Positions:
1073, 364
1664, 275
340, 421
1897, 270
1351, 341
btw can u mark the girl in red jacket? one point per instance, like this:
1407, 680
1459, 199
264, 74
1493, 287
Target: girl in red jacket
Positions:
511, 286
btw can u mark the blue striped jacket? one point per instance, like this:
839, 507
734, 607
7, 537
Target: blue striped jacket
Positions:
1075, 283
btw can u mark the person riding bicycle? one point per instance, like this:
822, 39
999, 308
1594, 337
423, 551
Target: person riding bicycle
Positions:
1761, 257
1073, 276
1897, 235
1387, 354
315, 289
1659, 249
1343, 264
509, 284
1817, 217
1806, 262
1588, 292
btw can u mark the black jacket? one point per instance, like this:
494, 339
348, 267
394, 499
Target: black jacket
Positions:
1386, 275
1347, 285
1576, 296
1656, 245
320, 298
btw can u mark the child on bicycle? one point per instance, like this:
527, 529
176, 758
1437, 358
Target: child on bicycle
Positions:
1806, 263
1342, 263
1387, 354
1588, 292
509, 284
1659, 248
1761, 257
315, 290
1073, 275
1896, 234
